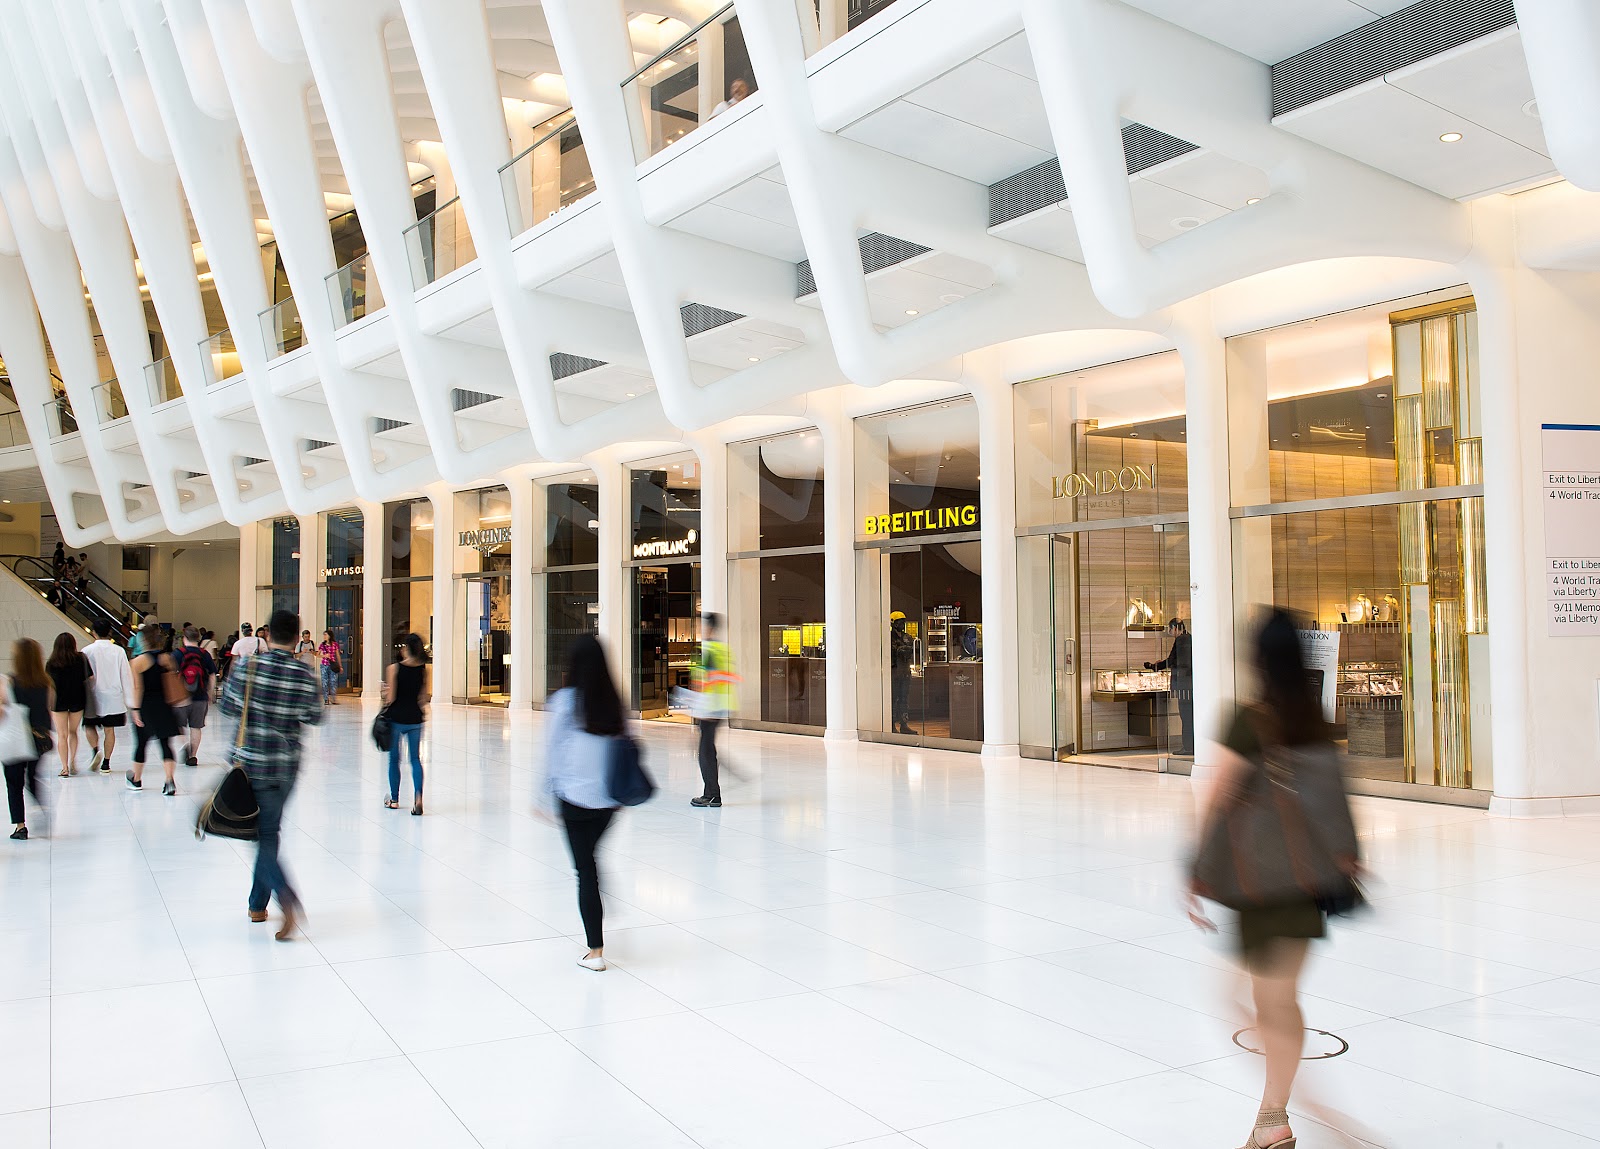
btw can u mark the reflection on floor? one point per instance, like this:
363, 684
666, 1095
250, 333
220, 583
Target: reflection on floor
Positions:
869, 945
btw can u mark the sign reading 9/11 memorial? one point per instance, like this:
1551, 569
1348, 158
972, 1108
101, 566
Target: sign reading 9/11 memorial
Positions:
1572, 528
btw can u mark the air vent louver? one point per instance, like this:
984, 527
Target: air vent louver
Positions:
698, 318
878, 251
563, 365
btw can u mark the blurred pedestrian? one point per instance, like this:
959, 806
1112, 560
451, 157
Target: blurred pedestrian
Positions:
197, 670
30, 688
154, 717
1278, 844
713, 683
70, 676
112, 688
405, 694
583, 719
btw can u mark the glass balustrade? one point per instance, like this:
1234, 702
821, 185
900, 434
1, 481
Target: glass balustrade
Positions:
109, 402
163, 379
59, 419
833, 18
281, 329
13, 431
438, 243
705, 73
354, 291
219, 358
546, 176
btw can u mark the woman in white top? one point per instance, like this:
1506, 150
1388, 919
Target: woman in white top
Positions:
583, 719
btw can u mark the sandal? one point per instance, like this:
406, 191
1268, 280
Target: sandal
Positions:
391, 803
1271, 1119
417, 809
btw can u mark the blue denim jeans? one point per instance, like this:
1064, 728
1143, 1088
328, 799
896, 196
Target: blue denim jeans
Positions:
411, 735
270, 878
330, 682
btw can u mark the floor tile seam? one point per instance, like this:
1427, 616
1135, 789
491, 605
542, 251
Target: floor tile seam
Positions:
1412, 1019
624, 1086
784, 914
907, 917
1357, 928
1300, 1112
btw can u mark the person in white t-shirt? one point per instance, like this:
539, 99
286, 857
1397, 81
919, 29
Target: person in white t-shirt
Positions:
247, 645
112, 686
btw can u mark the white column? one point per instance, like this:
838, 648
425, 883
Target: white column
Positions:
250, 547
713, 456
1211, 599
527, 551
445, 638
313, 548
615, 610
374, 527
839, 567
997, 505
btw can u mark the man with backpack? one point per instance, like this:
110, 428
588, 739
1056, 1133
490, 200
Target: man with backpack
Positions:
197, 669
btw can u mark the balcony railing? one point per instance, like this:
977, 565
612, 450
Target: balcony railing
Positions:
833, 18
438, 243
354, 291
281, 329
219, 358
546, 176
162, 377
13, 431
59, 419
684, 87
109, 402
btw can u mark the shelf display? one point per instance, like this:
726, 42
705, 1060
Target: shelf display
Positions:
1131, 682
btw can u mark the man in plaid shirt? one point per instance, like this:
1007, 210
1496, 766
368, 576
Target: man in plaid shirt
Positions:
283, 697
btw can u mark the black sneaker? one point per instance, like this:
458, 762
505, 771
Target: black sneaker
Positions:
132, 783
714, 803
105, 766
20, 834
168, 789
192, 761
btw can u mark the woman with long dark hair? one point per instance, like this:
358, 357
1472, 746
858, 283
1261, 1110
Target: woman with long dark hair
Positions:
69, 675
154, 719
584, 718
405, 694
31, 687
1279, 770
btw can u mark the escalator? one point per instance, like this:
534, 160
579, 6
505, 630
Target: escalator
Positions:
87, 601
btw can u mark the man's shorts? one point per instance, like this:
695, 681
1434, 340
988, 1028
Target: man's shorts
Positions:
109, 721
194, 714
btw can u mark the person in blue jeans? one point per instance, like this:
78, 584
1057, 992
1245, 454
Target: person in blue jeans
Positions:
405, 694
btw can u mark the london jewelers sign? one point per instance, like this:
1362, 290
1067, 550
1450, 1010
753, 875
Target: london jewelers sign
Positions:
1102, 482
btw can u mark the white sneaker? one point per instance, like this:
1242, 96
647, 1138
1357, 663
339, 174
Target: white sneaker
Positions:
595, 962
94, 763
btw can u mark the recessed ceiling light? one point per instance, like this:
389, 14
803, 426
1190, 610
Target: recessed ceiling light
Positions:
1450, 138
1187, 222
911, 311
630, 394
755, 359
1250, 202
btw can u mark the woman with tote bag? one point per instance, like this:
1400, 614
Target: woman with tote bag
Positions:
1279, 846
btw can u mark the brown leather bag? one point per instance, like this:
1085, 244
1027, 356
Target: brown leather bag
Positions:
177, 694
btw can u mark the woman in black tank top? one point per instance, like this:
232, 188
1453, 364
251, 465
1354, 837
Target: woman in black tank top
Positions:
153, 717
405, 695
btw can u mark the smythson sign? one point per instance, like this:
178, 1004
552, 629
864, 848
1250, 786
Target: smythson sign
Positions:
1105, 482
486, 540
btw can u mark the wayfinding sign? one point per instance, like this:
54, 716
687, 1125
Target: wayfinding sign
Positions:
1572, 528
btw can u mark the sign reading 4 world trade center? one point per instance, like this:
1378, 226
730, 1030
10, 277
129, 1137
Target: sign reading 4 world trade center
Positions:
1572, 528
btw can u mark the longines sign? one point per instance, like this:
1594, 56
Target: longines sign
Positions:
666, 548
1105, 482
485, 540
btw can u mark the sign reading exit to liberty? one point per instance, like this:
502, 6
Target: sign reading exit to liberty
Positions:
1572, 528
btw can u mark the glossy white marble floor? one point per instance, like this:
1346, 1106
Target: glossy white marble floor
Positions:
867, 946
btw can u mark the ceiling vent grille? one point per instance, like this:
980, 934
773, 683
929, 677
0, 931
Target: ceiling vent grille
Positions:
250, 461
380, 425
563, 365
462, 400
189, 475
1041, 186
878, 251
698, 318
318, 444
1382, 46
1143, 147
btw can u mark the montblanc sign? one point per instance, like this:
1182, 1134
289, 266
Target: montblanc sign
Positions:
666, 548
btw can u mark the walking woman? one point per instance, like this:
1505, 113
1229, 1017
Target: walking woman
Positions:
1279, 846
69, 674
405, 693
583, 719
31, 686
332, 666
153, 717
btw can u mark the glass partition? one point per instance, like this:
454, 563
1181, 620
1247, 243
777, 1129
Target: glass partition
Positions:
483, 595
278, 572
827, 20
13, 431
219, 358
569, 582
546, 176
58, 416
439, 243
343, 589
280, 327
702, 75
109, 402
664, 537
163, 379
354, 291
408, 574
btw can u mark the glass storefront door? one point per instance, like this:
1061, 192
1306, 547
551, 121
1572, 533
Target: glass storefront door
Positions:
925, 604
344, 619
572, 608
487, 637
666, 634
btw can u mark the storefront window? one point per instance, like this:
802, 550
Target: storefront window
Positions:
1386, 570
664, 584
919, 572
281, 588
1103, 562
776, 605
483, 595
408, 574
342, 585
570, 581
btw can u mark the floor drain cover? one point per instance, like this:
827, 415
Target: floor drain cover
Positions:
1320, 1044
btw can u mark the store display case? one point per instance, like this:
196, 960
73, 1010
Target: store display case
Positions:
1131, 683
797, 674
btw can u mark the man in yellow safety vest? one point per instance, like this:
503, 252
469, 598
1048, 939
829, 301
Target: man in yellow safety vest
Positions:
714, 681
